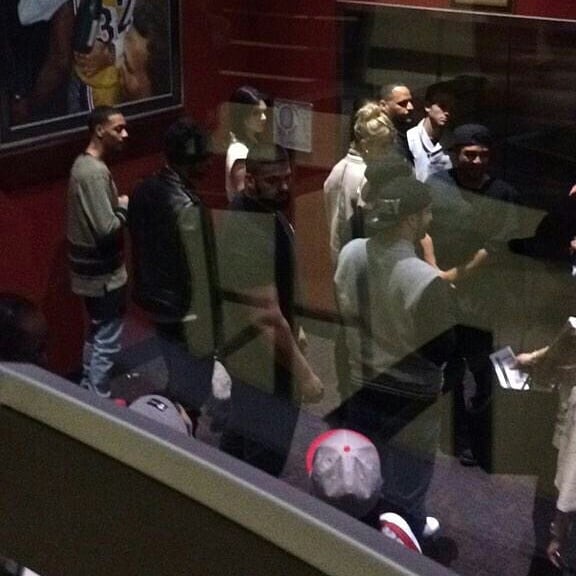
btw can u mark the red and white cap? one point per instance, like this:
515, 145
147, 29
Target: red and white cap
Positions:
344, 470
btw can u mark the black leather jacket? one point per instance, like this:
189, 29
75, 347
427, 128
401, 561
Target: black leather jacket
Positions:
171, 248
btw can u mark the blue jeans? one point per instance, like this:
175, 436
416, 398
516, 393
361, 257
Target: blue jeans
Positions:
103, 342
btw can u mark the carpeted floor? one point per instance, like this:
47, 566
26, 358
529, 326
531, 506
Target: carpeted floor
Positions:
487, 527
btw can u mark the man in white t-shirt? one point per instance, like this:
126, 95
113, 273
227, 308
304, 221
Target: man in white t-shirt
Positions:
426, 140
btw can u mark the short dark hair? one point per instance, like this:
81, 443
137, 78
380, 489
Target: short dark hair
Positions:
185, 143
437, 93
264, 154
100, 115
151, 21
386, 90
241, 103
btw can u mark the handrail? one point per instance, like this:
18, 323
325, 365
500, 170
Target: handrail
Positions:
298, 524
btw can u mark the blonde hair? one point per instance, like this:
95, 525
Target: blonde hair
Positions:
371, 124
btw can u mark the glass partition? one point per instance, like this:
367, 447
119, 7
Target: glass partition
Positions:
349, 294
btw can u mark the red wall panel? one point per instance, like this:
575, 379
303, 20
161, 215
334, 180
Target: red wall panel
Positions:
546, 8
537, 8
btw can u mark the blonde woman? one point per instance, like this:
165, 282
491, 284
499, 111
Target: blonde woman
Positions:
373, 137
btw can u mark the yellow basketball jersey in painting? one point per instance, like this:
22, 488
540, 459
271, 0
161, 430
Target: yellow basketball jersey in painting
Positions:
104, 85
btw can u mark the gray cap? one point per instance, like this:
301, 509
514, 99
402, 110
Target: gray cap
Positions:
395, 199
162, 410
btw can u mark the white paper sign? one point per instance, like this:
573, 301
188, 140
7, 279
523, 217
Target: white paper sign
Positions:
509, 377
293, 125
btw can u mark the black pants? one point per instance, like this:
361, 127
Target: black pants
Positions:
189, 376
472, 426
261, 424
406, 433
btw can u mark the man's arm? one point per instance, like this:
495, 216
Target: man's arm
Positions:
460, 272
265, 314
59, 61
55, 69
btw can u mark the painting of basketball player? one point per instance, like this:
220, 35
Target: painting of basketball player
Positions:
145, 65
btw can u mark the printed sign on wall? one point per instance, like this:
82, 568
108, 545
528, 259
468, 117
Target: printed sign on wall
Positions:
293, 125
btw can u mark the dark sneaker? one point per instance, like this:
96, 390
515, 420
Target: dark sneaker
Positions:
102, 393
466, 458
98, 391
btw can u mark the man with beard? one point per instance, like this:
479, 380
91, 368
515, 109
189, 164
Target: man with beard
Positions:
399, 329
257, 272
396, 103
474, 217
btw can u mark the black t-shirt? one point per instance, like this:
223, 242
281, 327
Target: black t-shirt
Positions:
257, 250
466, 220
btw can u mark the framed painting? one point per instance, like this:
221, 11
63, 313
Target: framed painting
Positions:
61, 58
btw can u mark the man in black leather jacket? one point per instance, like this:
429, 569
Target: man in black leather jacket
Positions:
172, 260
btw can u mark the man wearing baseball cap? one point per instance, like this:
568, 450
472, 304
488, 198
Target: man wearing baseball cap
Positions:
344, 470
399, 322
474, 217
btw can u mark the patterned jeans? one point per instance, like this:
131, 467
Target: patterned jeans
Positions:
103, 342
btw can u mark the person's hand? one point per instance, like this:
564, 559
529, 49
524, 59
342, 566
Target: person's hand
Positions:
572, 191
529, 360
101, 56
524, 361
573, 246
553, 553
311, 389
123, 201
450, 276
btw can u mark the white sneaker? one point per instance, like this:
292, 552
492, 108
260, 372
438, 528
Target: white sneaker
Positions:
393, 526
431, 528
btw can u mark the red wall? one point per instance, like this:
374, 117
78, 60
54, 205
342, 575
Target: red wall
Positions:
540, 8
32, 211
33, 183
